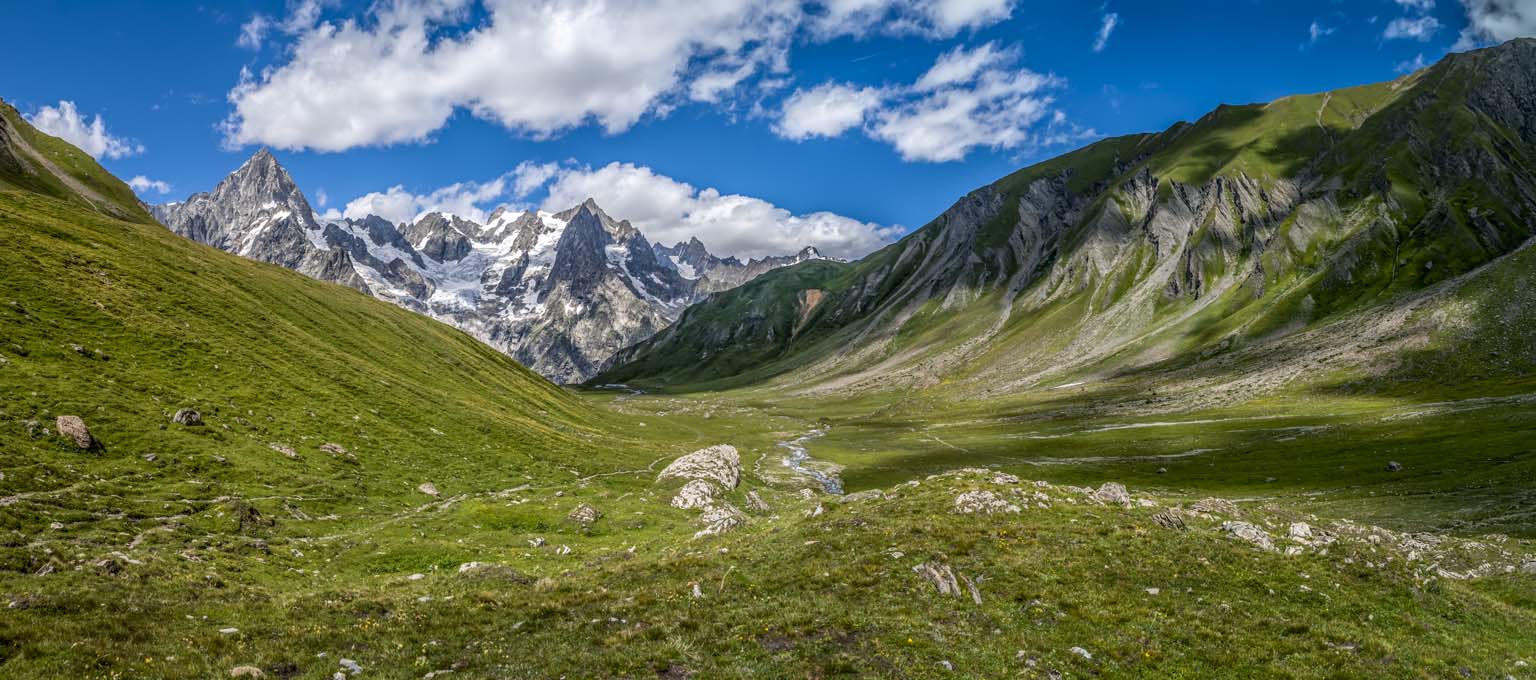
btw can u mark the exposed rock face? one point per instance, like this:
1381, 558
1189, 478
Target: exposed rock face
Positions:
559, 292
74, 428
695, 494
188, 417
720, 463
712, 274
1113, 493
1250, 533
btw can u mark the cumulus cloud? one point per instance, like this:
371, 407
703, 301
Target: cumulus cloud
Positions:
667, 211
142, 184
969, 98
827, 110
465, 199
1111, 20
540, 67
65, 122
1496, 21
1417, 5
1420, 28
529, 177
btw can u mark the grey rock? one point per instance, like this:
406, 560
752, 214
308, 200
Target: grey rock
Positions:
188, 417
585, 515
1113, 493
428, 488
697, 493
720, 463
1248, 532
983, 503
75, 430
1394, 466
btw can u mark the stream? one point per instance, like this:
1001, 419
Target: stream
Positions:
798, 458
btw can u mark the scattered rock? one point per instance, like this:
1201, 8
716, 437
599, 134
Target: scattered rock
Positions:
188, 417
74, 428
695, 494
1170, 519
1394, 466
1113, 493
719, 519
720, 463
228, 631
585, 515
1004, 478
284, 449
1214, 506
1081, 652
351, 666
1301, 531
807, 495
428, 488
816, 511
1249, 533
492, 572
415, 577
982, 503
246, 672
1162, 471
861, 496
941, 576
35, 429
151, 457
755, 503
334, 449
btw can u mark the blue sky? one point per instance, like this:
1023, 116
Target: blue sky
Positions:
756, 124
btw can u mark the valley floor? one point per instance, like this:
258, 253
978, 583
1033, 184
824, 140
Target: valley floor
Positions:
1424, 571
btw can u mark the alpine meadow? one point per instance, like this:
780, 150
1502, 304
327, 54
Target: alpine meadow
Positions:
1250, 394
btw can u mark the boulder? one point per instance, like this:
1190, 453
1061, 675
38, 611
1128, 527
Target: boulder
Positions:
585, 515
246, 672
188, 417
1113, 493
720, 464
719, 519
1169, 519
982, 503
74, 428
1394, 466
333, 449
428, 488
755, 503
1005, 478
284, 449
695, 494
1250, 533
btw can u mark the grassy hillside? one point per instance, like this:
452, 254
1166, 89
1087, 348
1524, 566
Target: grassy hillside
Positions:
39, 163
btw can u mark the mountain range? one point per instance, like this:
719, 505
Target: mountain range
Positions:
1267, 235
560, 292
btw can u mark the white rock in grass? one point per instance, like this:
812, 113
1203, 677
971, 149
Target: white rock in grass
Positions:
720, 463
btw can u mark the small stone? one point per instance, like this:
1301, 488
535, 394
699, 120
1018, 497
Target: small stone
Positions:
1081, 652
246, 672
428, 488
188, 417
351, 666
1162, 471
333, 449
1394, 466
1004, 478
151, 457
946, 665
585, 515
228, 631
415, 577
755, 503
1301, 531
74, 428
1153, 591
1214, 506
1249, 533
284, 449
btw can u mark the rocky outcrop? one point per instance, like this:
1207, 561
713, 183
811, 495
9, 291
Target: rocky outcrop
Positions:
720, 464
73, 428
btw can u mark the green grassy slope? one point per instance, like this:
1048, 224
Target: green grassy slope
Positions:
38, 163
1406, 184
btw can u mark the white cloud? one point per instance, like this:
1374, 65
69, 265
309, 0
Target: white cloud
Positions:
969, 98
1421, 29
1318, 31
1417, 5
254, 32
932, 18
396, 204
541, 67
529, 177
1111, 20
827, 110
668, 211
142, 184
1411, 65
66, 123
1496, 21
